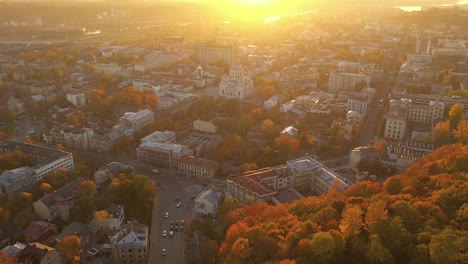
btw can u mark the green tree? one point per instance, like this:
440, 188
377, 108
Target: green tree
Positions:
450, 246
377, 252
322, 247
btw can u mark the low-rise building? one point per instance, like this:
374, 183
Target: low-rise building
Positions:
58, 204
130, 244
360, 154
14, 181
205, 124
110, 219
109, 171
37, 253
198, 166
207, 201
161, 61
40, 231
139, 119
80, 230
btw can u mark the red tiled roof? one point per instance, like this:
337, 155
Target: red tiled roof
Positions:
37, 228
203, 163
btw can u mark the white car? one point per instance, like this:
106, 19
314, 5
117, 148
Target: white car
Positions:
166, 215
164, 233
179, 204
171, 233
163, 252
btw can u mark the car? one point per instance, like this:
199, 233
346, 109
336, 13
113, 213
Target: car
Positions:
171, 227
176, 228
182, 221
181, 227
177, 222
172, 222
179, 204
163, 252
164, 234
166, 215
171, 233
93, 252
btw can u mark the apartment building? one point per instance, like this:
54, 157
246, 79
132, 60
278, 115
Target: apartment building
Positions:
130, 244
158, 149
58, 204
340, 81
400, 155
77, 97
113, 220
76, 137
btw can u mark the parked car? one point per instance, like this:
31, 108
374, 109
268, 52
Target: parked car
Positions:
163, 252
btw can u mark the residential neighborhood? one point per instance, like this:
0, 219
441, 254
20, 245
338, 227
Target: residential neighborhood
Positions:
129, 134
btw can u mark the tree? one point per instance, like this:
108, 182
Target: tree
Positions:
69, 248
77, 117
378, 253
456, 114
380, 146
393, 185
351, 220
442, 133
375, 212
87, 188
102, 214
461, 133
240, 251
209, 250
268, 128
322, 247
450, 246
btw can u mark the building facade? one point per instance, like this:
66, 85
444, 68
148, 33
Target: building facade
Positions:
235, 85
130, 244
14, 181
211, 54
76, 137
198, 166
340, 81
58, 203
138, 120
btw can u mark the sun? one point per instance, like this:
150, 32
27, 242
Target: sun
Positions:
255, 1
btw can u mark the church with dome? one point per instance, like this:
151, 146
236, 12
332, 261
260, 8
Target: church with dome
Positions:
235, 85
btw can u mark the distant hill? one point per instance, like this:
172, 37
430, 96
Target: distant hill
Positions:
420, 216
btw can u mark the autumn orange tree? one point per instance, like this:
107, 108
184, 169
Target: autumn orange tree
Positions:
69, 248
418, 216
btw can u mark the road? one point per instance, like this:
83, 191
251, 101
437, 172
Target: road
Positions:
376, 112
170, 186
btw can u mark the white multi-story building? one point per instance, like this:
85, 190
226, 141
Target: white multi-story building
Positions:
400, 155
158, 148
77, 97
76, 137
346, 81
310, 175
138, 120
235, 85
47, 159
